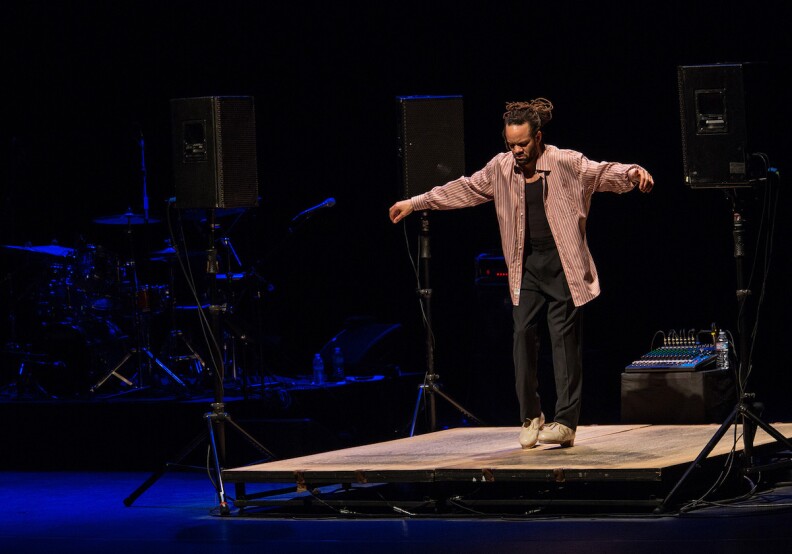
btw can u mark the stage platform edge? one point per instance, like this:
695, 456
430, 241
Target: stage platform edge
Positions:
604, 458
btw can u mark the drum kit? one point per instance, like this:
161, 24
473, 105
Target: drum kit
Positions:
96, 325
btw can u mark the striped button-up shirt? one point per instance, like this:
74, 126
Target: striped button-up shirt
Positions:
570, 179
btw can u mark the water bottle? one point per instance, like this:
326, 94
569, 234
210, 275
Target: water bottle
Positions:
338, 365
318, 370
722, 351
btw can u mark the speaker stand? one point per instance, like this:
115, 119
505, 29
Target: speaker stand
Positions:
743, 412
431, 386
216, 418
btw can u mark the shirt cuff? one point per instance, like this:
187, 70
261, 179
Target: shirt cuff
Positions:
419, 203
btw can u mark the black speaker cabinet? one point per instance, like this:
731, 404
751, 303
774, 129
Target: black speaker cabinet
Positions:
431, 141
214, 152
725, 110
677, 397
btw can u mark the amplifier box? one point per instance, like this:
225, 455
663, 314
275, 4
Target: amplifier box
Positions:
677, 397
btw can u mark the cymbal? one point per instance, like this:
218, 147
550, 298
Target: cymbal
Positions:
47, 249
169, 253
230, 276
128, 218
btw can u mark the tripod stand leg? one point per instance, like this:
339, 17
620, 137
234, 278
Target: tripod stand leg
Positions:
417, 407
193, 352
769, 429
256, 444
114, 373
700, 458
429, 391
210, 421
457, 405
154, 477
164, 368
217, 415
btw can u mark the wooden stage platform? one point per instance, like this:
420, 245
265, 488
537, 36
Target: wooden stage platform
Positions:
637, 463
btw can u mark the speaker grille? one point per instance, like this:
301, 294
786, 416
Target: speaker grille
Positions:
214, 152
237, 173
431, 134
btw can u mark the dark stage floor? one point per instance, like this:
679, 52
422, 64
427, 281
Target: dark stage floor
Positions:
84, 512
68, 465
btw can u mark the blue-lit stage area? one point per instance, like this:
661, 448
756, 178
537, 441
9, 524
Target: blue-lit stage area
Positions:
214, 339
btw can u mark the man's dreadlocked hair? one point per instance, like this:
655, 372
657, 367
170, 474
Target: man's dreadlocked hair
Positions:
537, 113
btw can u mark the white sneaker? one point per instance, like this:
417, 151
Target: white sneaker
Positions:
529, 433
557, 433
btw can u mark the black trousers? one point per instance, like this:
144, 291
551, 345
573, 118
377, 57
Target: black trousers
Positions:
545, 293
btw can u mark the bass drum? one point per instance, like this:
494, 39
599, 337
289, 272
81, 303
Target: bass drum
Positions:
76, 353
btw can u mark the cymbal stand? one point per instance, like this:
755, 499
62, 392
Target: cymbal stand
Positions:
141, 350
430, 387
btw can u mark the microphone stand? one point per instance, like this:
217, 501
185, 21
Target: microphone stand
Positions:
304, 215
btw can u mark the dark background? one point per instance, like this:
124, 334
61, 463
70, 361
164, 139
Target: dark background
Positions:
82, 80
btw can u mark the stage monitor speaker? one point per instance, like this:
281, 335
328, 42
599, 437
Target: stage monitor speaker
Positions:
431, 141
214, 152
725, 113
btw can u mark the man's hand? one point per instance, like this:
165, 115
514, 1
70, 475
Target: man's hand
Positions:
641, 178
400, 210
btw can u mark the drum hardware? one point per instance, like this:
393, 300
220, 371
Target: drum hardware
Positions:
27, 382
174, 352
180, 351
51, 287
231, 332
145, 359
114, 372
47, 250
142, 297
97, 270
152, 298
66, 355
128, 218
169, 254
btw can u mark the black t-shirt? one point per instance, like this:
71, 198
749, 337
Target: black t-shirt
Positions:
537, 227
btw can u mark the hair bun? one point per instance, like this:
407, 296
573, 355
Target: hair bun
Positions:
542, 107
